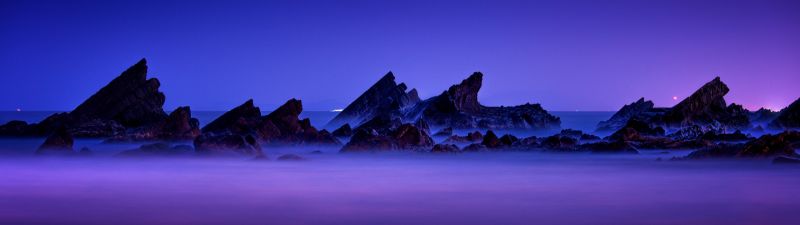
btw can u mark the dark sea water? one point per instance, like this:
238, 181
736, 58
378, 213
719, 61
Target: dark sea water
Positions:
391, 188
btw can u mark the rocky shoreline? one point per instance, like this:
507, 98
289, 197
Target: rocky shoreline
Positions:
387, 117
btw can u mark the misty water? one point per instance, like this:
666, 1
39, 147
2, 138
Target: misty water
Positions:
389, 188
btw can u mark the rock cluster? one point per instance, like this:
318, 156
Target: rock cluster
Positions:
385, 97
789, 117
384, 133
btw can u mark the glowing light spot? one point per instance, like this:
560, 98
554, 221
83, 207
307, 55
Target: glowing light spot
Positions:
19, 110
674, 97
337, 110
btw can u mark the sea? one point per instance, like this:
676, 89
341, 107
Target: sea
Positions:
389, 188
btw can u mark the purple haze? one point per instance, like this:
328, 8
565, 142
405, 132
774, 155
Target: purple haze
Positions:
567, 55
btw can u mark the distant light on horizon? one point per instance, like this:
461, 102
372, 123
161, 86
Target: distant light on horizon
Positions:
337, 110
674, 98
19, 110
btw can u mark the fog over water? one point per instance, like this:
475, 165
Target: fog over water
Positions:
391, 188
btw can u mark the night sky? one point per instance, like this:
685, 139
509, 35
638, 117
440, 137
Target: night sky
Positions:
566, 55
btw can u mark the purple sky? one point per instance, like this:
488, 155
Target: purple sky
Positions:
567, 55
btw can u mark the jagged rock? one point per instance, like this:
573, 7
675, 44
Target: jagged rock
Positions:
458, 107
158, 149
343, 131
786, 160
508, 140
707, 106
241, 119
763, 116
227, 143
423, 126
789, 117
179, 125
490, 140
445, 148
390, 137
636, 130
128, 101
765, 146
610, 147
385, 97
60, 142
282, 126
621, 117
559, 142
469, 138
291, 157
365, 140
446, 132
409, 136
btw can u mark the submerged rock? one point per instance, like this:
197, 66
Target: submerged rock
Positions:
227, 144
291, 157
159, 149
179, 125
60, 142
445, 148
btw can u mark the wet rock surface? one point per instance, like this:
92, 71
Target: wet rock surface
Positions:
385, 97
388, 134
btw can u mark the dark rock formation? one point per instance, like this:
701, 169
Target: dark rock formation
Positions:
179, 125
128, 101
469, 138
243, 118
458, 107
621, 117
291, 157
281, 127
446, 132
60, 142
385, 97
636, 130
385, 134
763, 116
227, 143
490, 140
343, 132
159, 149
789, 117
445, 148
560, 143
707, 106
782, 144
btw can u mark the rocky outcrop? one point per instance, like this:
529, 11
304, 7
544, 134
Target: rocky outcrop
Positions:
472, 137
782, 144
707, 106
60, 142
179, 125
281, 127
383, 133
130, 100
345, 131
458, 107
621, 117
385, 97
763, 116
789, 117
